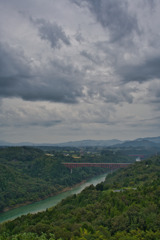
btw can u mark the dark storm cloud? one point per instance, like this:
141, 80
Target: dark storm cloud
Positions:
151, 3
51, 32
154, 93
145, 71
59, 83
114, 16
14, 69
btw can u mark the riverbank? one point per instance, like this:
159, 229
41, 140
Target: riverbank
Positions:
9, 208
41, 199
49, 202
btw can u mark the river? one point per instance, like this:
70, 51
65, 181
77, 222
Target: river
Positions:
49, 202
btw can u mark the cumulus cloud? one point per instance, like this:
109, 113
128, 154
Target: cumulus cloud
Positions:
93, 64
18, 113
111, 94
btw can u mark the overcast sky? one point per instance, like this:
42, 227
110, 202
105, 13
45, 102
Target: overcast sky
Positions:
79, 69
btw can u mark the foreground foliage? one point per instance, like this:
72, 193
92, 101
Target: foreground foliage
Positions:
125, 207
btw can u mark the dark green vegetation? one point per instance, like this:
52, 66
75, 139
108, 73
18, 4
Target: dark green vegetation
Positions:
125, 207
29, 174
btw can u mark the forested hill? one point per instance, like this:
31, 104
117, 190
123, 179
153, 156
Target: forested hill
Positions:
28, 174
125, 207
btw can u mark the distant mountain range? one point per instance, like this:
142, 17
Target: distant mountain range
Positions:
82, 143
142, 142
151, 139
90, 143
145, 142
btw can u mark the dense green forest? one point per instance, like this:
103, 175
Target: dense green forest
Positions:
28, 174
125, 207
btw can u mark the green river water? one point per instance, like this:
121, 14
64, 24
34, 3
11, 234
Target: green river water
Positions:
49, 202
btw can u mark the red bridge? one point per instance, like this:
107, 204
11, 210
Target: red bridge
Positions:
103, 165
